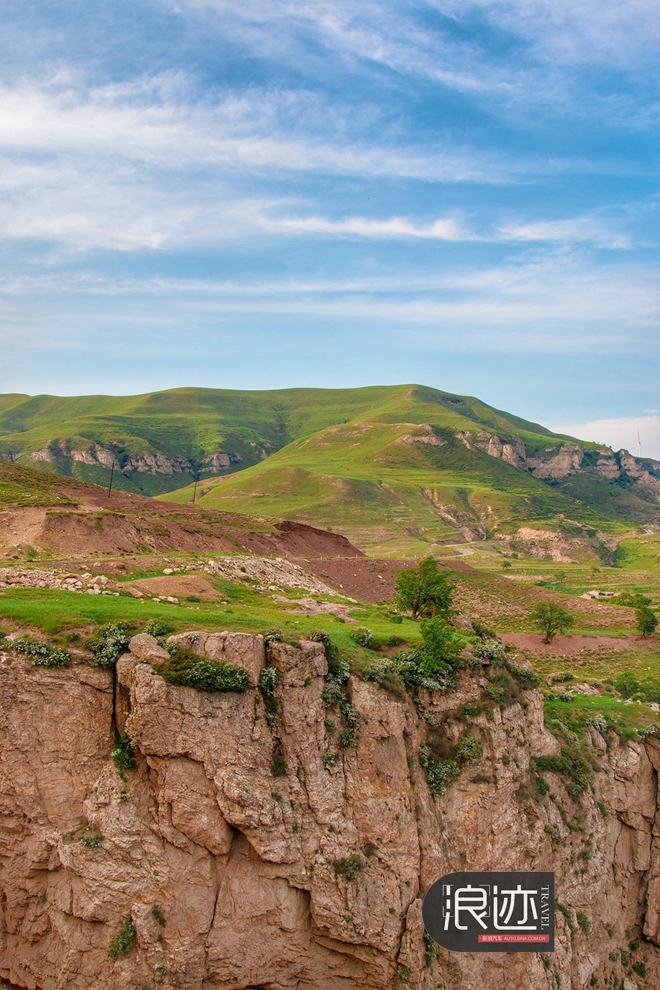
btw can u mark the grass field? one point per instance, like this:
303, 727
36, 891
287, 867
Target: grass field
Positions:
68, 619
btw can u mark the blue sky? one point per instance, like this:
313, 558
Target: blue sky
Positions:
274, 193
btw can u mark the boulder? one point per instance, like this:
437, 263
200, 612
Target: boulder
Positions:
147, 648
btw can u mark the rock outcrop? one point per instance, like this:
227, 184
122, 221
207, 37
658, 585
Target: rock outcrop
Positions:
567, 459
146, 462
245, 851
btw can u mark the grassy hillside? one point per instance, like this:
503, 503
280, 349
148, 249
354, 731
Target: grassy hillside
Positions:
407, 474
398, 468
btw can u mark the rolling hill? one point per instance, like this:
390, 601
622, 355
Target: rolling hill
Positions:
41, 514
397, 468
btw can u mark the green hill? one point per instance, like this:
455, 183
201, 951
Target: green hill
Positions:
396, 468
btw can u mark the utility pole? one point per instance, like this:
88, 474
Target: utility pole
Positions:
112, 474
195, 489
639, 445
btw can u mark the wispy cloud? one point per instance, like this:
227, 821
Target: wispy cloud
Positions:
552, 45
159, 123
392, 227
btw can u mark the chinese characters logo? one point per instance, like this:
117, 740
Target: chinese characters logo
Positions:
492, 912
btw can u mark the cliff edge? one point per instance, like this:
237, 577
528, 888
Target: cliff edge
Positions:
245, 841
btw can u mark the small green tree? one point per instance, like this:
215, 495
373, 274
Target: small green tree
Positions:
552, 618
424, 591
647, 621
439, 647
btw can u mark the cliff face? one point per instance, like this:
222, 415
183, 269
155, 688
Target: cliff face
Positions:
233, 877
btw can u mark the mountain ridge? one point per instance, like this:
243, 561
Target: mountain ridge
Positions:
421, 464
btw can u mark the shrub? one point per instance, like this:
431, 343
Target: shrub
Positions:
552, 830
627, 684
583, 922
348, 738
273, 635
424, 591
329, 758
124, 939
552, 619
482, 631
439, 773
189, 670
91, 841
572, 765
396, 619
321, 636
348, 868
439, 647
528, 678
501, 689
278, 766
123, 754
631, 600
156, 628
491, 650
109, 643
41, 654
268, 681
469, 750
379, 671
332, 694
543, 787
363, 637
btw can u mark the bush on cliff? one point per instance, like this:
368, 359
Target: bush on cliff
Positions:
430, 665
124, 939
189, 670
571, 764
41, 654
109, 643
439, 773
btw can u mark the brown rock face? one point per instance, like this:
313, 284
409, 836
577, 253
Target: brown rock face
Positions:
222, 856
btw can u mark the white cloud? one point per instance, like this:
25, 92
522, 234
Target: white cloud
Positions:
157, 123
570, 231
620, 433
441, 229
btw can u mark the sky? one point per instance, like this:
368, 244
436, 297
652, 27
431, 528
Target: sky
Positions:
278, 193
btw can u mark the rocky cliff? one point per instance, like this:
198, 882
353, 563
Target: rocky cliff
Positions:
246, 848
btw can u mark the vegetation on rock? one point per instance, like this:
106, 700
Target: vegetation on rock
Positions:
189, 670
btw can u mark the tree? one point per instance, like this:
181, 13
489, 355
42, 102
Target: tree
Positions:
647, 621
552, 619
424, 591
439, 646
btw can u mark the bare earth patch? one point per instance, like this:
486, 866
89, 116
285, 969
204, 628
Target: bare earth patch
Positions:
563, 645
177, 586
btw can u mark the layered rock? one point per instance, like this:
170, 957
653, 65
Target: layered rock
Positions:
226, 847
